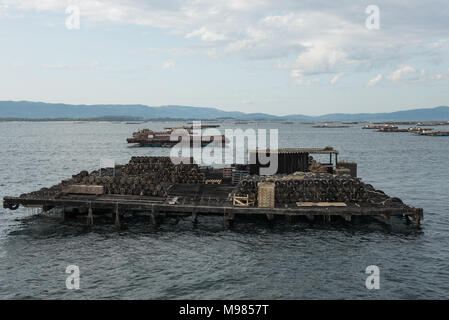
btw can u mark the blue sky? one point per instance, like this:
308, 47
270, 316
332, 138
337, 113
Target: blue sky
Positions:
278, 57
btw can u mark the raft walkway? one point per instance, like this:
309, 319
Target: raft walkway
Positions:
177, 206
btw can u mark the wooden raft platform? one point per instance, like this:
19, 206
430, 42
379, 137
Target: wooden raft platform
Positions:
178, 206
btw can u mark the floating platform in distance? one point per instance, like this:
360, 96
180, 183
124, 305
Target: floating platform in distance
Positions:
202, 126
334, 126
434, 133
150, 138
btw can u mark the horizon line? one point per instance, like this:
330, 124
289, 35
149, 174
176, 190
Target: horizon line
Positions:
217, 108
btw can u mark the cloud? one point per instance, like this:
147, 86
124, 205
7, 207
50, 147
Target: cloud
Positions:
336, 78
177, 51
205, 35
439, 44
307, 37
321, 59
400, 73
168, 65
373, 82
6, 12
441, 76
58, 66
301, 79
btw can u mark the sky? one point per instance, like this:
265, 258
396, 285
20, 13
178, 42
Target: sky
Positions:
279, 57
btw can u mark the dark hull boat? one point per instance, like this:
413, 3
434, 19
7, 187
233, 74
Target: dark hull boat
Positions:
165, 139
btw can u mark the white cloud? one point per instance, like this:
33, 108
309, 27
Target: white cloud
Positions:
60, 66
441, 76
301, 79
6, 13
310, 37
205, 35
168, 65
400, 73
439, 44
336, 78
373, 82
320, 59
280, 21
178, 51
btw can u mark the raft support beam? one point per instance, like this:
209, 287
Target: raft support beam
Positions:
90, 218
117, 216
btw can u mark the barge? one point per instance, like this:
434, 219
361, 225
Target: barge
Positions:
391, 128
194, 126
166, 139
330, 126
431, 133
156, 187
372, 127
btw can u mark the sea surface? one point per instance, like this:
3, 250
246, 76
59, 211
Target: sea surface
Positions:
254, 260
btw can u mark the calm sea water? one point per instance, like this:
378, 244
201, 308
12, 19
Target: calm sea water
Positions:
252, 261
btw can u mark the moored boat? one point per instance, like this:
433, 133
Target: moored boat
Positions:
166, 139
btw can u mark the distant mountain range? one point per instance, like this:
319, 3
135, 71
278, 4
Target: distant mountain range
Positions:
41, 110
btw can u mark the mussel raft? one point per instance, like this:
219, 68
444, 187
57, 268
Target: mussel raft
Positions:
161, 189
